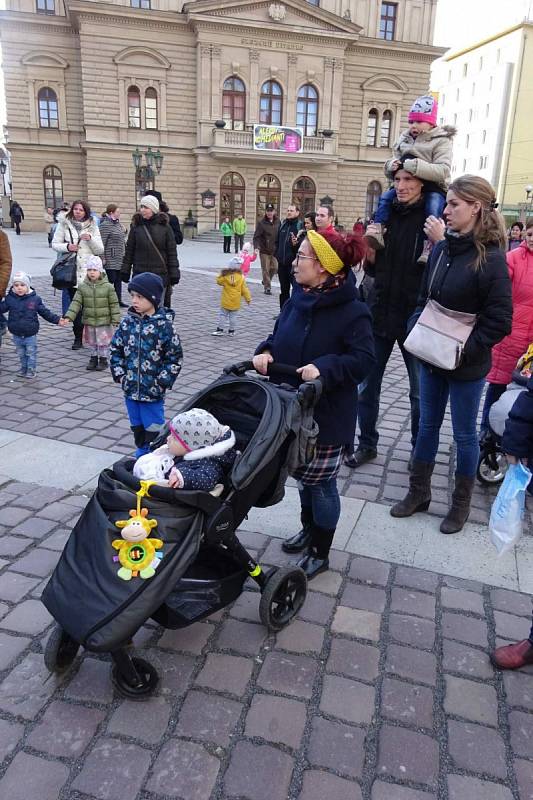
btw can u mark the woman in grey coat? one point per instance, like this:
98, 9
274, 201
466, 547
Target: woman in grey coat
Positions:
114, 241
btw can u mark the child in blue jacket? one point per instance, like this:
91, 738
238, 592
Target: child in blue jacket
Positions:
23, 308
145, 358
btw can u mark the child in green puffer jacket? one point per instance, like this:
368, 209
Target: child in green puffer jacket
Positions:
97, 300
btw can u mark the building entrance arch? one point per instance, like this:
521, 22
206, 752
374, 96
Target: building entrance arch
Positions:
268, 191
232, 195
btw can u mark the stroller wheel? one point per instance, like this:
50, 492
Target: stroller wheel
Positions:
492, 468
282, 597
147, 680
60, 650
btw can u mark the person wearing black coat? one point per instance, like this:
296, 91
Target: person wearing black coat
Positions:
286, 246
325, 331
174, 223
17, 215
466, 272
151, 246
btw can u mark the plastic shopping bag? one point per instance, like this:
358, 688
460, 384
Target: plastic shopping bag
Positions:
505, 524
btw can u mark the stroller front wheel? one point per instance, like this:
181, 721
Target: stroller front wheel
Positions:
282, 597
491, 468
140, 682
60, 651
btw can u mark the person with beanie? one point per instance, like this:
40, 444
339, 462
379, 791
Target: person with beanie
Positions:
114, 241
234, 288
145, 358
151, 246
197, 456
325, 331
98, 304
174, 223
424, 150
23, 308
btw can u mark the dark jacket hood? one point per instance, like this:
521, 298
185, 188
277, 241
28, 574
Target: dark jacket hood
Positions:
158, 219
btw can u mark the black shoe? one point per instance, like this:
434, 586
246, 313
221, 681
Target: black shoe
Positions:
102, 364
77, 344
267, 291
312, 565
93, 363
299, 542
360, 457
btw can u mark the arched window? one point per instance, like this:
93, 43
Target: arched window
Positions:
232, 195
271, 103
307, 110
53, 187
150, 109
234, 103
372, 128
386, 124
134, 107
373, 193
268, 191
48, 110
304, 194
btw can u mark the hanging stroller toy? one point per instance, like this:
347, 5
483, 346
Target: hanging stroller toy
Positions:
136, 552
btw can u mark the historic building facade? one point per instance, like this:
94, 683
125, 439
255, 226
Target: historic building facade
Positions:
90, 82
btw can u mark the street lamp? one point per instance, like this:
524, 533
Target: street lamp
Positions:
145, 174
3, 168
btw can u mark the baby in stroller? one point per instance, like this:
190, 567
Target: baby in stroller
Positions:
198, 453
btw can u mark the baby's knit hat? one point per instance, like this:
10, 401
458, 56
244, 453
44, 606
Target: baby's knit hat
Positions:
196, 428
424, 109
94, 262
248, 248
22, 277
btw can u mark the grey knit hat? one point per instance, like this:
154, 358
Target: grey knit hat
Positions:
196, 428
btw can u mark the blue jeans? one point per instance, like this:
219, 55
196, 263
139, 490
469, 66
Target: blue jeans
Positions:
494, 392
434, 205
465, 396
150, 416
370, 390
324, 501
27, 352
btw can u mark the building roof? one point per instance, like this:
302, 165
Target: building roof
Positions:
525, 23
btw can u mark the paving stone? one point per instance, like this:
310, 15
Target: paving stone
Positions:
39, 562
319, 785
524, 777
258, 772
367, 570
412, 705
208, 717
26, 689
471, 700
225, 673
346, 699
354, 659
148, 726
461, 600
276, 719
12, 545
57, 540
10, 734
465, 629
407, 601
367, 598
301, 637
92, 682
185, 770
416, 579
412, 630
317, 607
174, 669
30, 777
519, 689
512, 602
290, 674
389, 791
458, 657
360, 624
14, 586
461, 787
187, 640
463, 583
35, 527
408, 662
113, 770
243, 637
408, 755
246, 607
510, 626
521, 732
476, 748
57, 511
10, 516
30, 616
66, 729
337, 746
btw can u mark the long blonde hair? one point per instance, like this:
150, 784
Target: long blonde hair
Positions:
489, 226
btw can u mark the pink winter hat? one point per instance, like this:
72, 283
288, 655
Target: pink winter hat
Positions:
424, 109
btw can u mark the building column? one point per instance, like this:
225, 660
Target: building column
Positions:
290, 106
252, 112
32, 96
216, 88
162, 106
123, 111
204, 82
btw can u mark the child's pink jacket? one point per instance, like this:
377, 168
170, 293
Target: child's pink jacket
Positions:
246, 261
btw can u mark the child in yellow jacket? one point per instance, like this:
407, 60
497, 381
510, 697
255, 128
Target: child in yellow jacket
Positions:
234, 288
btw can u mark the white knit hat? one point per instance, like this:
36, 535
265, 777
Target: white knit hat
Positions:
196, 428
22, 277
150, 202
94, 262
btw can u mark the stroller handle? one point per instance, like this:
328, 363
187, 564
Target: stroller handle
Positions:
273, 369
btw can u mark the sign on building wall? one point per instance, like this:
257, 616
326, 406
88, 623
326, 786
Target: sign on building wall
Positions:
277, 137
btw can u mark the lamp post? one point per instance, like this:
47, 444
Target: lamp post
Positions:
529, 199
145, 173
3, 169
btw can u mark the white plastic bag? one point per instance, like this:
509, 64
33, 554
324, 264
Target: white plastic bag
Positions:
505, 524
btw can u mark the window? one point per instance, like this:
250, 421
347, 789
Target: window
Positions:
140, 4
498, 55
314, 2
490, 83
487, 109
481, 162
464, 164
372, 128
307, 110
234, 103
386, 122
470, 114
46, 7
304, 194
483, 137
53, 187
268, 191
134, 107
443, 101
387, 22
467, 139
150, 109
480, 63
455, 119
449, 76
373, 193
457, 94
465, 70
271, 104
473, 88
485, 162
232, 195
48, 111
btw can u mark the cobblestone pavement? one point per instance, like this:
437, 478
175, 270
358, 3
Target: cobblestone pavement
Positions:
380, 690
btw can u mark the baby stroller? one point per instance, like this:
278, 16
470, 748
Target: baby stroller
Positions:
203, 566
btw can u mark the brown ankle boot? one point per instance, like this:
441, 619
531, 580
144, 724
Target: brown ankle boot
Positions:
418, 497
513, 656
458, 513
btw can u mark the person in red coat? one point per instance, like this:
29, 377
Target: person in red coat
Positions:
508, 351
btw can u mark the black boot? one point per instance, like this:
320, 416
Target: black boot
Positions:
138, 435
93, 363
102, 364
361, 456
301, 540
418, 497
150, 436
316, 559
77, 345
461, 497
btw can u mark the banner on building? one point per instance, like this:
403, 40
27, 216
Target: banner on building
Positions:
278, 137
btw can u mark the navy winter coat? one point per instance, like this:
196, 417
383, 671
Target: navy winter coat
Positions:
518, 435
332, 330
24, 311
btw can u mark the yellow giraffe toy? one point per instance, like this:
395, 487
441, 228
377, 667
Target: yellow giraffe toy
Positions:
136, 553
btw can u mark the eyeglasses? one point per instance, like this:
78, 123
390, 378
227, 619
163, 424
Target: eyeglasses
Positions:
301, 255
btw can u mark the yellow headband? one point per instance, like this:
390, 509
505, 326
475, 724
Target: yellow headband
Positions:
325, 253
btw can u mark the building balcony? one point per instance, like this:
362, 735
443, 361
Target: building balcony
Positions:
316, 149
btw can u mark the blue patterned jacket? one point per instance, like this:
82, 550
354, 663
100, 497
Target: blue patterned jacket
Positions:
146, 355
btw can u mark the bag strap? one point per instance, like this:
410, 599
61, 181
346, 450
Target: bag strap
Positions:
156, 248
434, 273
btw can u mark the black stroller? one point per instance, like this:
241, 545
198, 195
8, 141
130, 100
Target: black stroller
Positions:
203, 566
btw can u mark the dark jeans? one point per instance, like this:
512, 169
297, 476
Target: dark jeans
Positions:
284, 276
16, 223
465, 396
77, 324
494, 392
168, 295
370, 390
227, 244
239, 241
113, 276
434, 205
324, 501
